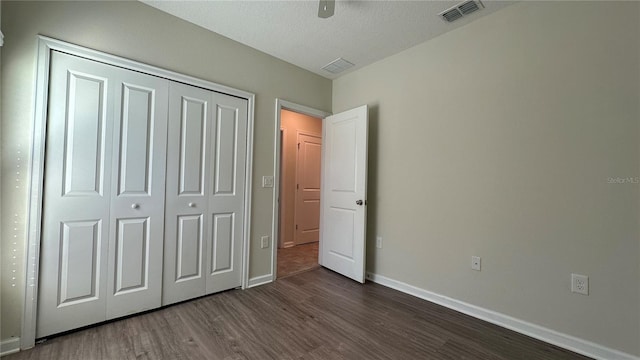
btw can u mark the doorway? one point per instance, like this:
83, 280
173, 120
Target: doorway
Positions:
343, 215
297, 192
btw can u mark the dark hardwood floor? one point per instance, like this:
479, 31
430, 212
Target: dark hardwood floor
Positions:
296, 259
313, 315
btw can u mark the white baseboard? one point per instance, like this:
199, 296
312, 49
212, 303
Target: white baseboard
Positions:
9, 346
565, 341
260, 280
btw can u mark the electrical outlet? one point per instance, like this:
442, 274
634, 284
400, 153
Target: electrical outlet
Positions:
379, 242
264, 242
267, 181
475, 263
580, 284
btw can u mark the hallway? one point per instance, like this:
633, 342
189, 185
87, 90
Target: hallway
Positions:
297, 259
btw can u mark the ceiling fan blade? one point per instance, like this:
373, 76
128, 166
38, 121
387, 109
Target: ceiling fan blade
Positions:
326, 8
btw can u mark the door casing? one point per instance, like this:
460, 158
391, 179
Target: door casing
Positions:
37, 161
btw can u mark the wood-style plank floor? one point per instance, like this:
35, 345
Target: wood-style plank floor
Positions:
313, 315
296, 259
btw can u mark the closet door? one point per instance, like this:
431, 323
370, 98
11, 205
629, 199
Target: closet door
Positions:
103, 215
186, 214
138, 188
227, 166
75, 228
205, 193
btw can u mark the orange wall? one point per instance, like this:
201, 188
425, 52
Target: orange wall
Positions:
292, 123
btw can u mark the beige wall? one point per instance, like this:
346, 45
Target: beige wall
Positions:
139, 32
292, 122
497, 139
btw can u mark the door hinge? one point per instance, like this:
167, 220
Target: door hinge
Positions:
298, 146
297, 186
296, 226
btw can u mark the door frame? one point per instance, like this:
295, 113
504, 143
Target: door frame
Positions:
275, 235
36, 162
282, 174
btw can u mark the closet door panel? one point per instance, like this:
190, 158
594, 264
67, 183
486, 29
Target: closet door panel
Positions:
137, 124
222, 243
138, 188
226, 202
132, 255
78, 272
187, 224
189, 247
225, 159
193, 126
75, 225
84, 149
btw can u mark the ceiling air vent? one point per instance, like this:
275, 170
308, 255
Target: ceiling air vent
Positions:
337, 66
461, 10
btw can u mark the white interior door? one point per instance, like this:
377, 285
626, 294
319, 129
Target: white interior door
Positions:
227, 168
77, 189
137, 200
205, 193
186, 230
104, 194
307, 205
344, 193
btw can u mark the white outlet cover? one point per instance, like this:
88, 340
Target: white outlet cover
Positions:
580, 284
379, 242
476, 263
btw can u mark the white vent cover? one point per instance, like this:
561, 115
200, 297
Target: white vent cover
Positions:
461, 10
337, 66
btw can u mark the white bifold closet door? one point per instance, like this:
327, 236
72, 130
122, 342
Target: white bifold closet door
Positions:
204, 192
103, 208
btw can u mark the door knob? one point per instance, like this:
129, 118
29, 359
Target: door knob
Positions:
359, 202
192, 204
135, 206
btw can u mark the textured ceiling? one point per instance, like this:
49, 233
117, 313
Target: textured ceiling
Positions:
361, 32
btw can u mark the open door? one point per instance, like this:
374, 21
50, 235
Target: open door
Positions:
344, 192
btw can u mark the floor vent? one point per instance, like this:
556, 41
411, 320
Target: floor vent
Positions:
337, 66
461, 10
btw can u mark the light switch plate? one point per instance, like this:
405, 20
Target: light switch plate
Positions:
267, 181
264, 242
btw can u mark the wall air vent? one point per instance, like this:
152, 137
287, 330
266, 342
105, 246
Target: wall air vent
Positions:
461, 10
337, 66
